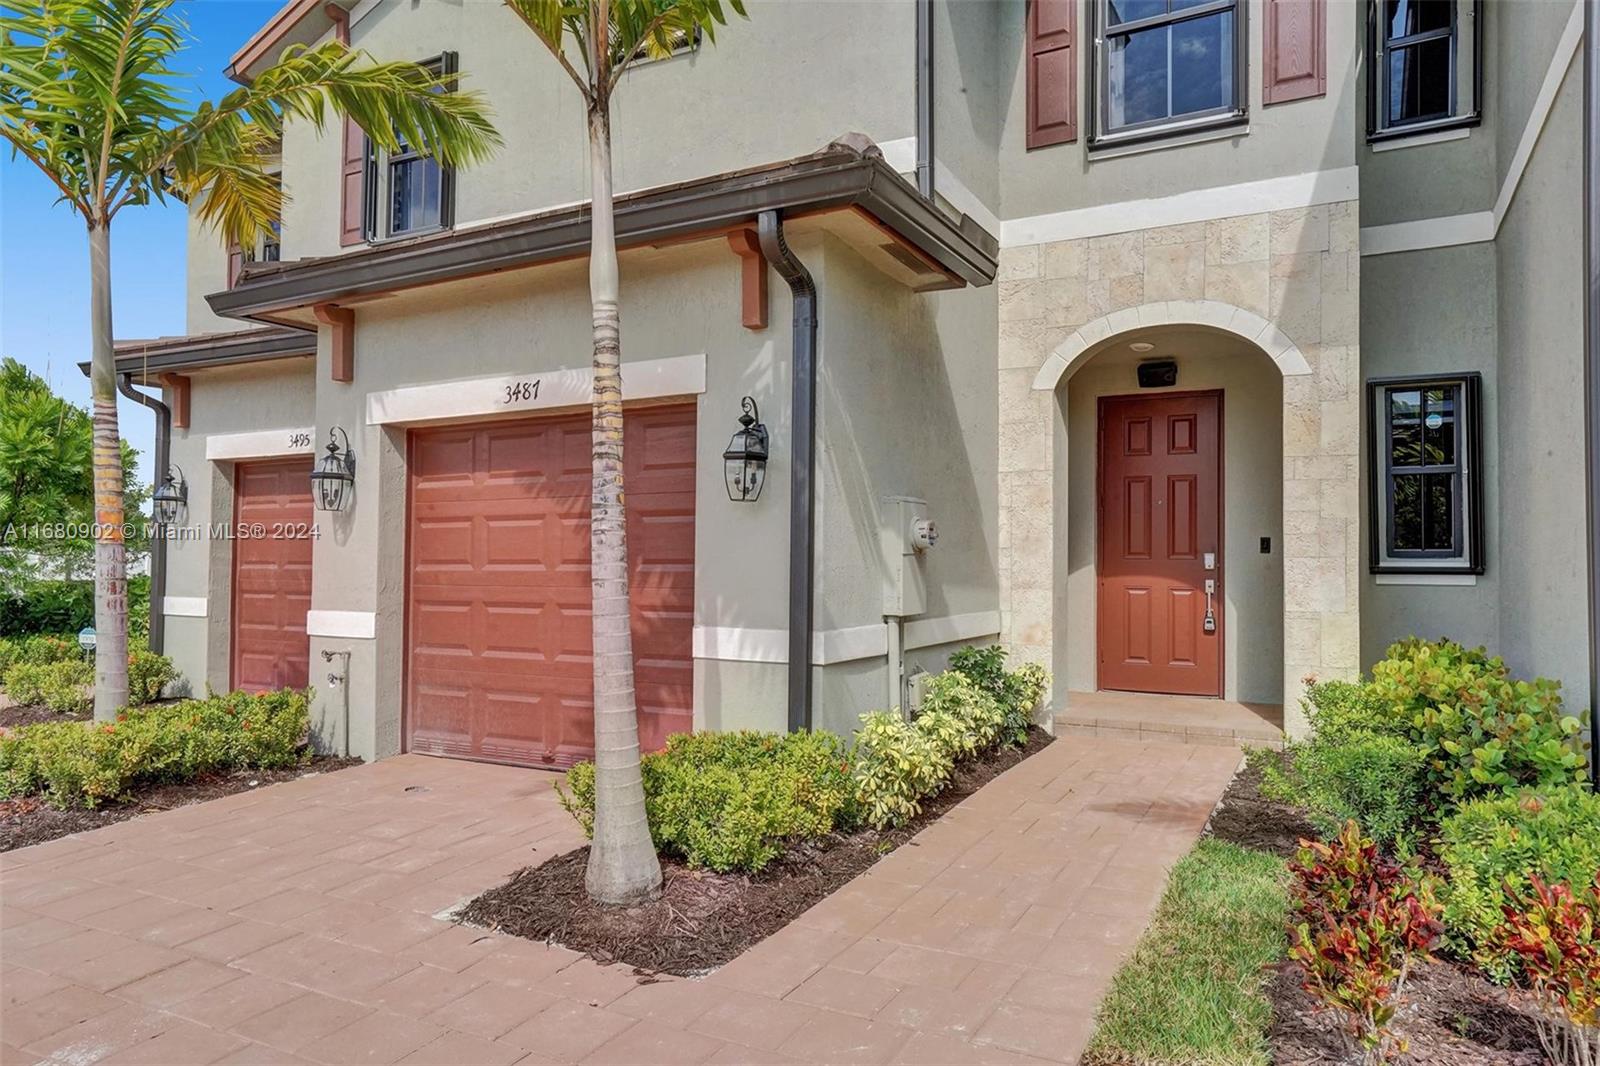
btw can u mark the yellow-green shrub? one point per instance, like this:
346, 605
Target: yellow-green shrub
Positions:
897, 765
62, 686
83, 764
148, 674
1016, 691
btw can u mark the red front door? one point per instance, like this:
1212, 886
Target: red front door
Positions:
272, 574
1160, 524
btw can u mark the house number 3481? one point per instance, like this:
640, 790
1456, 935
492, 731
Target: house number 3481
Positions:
521, 391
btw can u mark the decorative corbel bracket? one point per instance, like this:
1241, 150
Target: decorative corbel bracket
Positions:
753, 277
177, 387
342, 341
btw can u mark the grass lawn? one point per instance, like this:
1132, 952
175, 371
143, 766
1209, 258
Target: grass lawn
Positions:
1192, 992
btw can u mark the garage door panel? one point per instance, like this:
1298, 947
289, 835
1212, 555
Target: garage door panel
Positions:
520, 656
271, 576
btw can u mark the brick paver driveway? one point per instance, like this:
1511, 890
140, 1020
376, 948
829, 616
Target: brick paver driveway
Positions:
295, 924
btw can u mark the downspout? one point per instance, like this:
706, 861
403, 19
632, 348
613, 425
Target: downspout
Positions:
802, 497
1591, 353
925, 98
158, 544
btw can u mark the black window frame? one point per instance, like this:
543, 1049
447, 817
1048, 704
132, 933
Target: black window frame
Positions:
1468, 512
378, 184
1101, 29
1379, 46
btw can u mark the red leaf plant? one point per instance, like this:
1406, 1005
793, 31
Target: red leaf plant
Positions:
1359, 921
1556, 933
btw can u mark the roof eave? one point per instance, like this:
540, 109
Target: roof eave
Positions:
148, 359
828, 180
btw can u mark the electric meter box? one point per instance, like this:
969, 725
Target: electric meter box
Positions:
906, 535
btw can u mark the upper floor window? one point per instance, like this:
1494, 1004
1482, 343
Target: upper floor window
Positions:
1166, 66
408, 192
1426, 478
1424, 69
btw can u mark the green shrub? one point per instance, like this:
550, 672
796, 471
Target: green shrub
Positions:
10, 652
1377, 781
1479, 730
48, 607
148, 674
1016, 691
897, 765
731, 801
74, 764
1338, 709
42, 650
976, 718
1491, 847
63, 687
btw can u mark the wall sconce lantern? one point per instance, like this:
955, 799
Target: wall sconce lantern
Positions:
170, 501
335, 474
744, 464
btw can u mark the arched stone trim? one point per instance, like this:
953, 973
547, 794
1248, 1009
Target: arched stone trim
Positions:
1226, 317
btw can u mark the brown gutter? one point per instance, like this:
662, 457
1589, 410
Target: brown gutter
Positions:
146, 360
838, 177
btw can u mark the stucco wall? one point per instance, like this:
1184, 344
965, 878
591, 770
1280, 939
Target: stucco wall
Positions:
1292, 138
783, 83
207, 272
1431, 312
1544, 628
1252, 583
906, 407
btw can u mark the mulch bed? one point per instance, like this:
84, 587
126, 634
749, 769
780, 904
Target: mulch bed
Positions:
703, 919
1451, 1014
28, 820
13, 715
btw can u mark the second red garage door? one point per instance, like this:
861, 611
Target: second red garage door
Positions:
499, 664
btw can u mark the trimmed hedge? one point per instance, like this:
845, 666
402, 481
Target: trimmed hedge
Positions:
74, 764
41, 673
732, 801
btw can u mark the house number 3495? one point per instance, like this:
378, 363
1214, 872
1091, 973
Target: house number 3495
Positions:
300, 439
521, 391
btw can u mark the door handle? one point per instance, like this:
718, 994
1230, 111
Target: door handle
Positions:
1211, 615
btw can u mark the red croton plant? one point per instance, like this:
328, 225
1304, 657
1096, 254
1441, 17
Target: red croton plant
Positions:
1555, 932
1360, 919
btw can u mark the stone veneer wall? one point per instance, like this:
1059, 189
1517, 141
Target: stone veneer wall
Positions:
1294, 277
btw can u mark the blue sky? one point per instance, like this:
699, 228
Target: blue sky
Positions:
44, 258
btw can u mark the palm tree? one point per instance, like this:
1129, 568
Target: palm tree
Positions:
603, 38
89, 95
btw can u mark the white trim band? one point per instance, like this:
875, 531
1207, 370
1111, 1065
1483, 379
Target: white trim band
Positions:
261, 444
1201, 205
680, 375
183, 606
357, 625
951, 629
1445, 232
850, 644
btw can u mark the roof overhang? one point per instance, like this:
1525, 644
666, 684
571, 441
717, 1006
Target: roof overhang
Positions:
296, 22
147, 360
856, 192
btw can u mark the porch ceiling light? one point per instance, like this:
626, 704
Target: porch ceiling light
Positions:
1142, 346
170, 502
744, 464
335, 474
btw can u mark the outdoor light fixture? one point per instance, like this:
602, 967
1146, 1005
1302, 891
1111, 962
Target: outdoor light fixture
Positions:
335, 474
744, 464
171, 500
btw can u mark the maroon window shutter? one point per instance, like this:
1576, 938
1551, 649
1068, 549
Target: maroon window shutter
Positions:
1295, 38
1052, 59
235, 263
353, 186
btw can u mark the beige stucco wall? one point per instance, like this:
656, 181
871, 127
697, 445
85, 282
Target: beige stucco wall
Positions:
1288, 281
1252, 448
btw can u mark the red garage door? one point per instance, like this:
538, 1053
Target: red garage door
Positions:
271, 574
499, 649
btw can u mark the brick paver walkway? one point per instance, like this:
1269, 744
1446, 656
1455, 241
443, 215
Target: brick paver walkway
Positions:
294, 924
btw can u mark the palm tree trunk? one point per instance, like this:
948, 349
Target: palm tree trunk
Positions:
623, 867
110, 550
